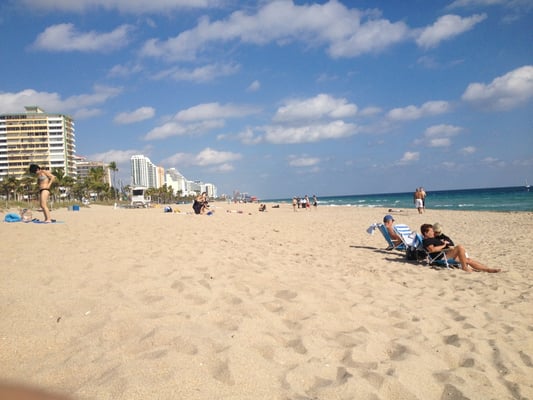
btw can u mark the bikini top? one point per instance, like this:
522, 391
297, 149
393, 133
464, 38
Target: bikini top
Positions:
42, 177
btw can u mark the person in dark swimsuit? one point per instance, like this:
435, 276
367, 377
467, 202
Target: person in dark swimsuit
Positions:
200, 204
435, 246
44, 180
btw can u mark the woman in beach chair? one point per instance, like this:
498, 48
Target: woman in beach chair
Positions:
436, 246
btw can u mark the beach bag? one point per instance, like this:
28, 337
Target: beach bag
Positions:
413, 254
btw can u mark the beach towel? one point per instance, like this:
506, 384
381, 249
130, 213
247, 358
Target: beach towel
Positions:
12, 217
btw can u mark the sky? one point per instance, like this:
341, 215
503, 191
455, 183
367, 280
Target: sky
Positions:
285, 98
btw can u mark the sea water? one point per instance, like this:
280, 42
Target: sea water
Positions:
490, 199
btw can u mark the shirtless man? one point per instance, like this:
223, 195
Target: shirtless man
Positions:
44, 179
419, 200
388, 221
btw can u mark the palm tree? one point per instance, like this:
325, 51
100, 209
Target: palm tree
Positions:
113, 167
9, 185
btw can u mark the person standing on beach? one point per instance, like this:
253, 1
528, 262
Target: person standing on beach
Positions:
424, 195
315, 201
44, 180
418, 199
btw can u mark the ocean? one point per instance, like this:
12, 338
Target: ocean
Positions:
517, 198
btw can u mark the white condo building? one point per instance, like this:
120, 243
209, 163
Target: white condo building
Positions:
36, 137
143, 172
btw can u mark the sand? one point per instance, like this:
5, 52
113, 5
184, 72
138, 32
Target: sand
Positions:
142, 304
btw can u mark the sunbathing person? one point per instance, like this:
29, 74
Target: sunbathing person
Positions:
200, 204
435, 246
388, 222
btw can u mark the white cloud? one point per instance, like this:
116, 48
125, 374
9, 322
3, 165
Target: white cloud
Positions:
206, 157
439, 135
64, 37
468, 150
118, 156
317, 107
504, 92
174, 128
254, 86
124, 6
53, 103
413, 112
124, 70
202, 74
303, 161
214, 111
346, 32
409, 157
446, 27
140, 114
309, 134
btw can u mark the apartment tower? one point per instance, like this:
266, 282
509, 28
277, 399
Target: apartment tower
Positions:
36, 137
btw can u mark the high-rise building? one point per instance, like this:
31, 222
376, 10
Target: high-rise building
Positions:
36, 137
84, 167
143, 172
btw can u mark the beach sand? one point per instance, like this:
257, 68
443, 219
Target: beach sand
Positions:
142, 304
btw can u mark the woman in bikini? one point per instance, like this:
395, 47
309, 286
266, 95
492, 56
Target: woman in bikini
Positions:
44, 179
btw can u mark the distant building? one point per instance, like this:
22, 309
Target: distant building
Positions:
36, 137
84, 167
143, 172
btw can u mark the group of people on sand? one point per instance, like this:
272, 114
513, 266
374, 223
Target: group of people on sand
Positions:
304, 202
436, 242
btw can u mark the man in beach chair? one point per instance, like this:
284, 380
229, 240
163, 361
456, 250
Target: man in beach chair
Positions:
389, 233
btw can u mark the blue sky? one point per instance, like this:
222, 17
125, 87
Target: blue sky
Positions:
283, 98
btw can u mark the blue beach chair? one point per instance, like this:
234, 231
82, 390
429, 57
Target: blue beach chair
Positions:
392, 245
416, 252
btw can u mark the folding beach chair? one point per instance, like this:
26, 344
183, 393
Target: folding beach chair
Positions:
392, 245
416, 252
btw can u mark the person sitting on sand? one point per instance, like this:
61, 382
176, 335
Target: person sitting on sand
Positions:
435, 246
44, 180
388, 222
437, 229
200, 204
262, 207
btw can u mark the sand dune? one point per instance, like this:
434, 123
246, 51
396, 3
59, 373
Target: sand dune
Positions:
141, 304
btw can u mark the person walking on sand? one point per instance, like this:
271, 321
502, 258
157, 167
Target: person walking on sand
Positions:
44, 180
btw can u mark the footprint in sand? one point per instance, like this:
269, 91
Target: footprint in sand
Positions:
286, 294
221, 372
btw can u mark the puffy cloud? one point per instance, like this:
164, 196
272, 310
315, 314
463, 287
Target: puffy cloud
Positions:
308, 134
346, 32
64, 37
214, 111
413, 112
317, 107
138, 115
504, 92
446, 27
174, 128
205, 158
82, 105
